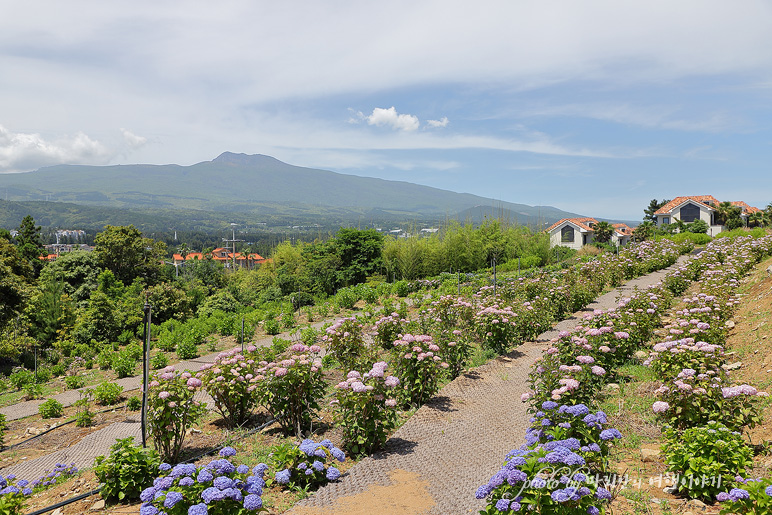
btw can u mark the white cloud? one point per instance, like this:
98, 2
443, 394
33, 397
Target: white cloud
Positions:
443, 122
21, 152
132, 139
390, 118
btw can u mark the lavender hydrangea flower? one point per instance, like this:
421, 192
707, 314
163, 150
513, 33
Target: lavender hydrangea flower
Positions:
502, 504
223, 482
737, 494
242, 469
147, 494
187, 481
148, 509
204, 476
198, 509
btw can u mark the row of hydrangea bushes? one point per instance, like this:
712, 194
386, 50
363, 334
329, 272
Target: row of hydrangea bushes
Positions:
562, 465
703, 411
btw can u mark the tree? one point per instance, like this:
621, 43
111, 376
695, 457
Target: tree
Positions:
603, 232
123, 250
79, 271
644, 231
359, 252
726, 212
654, 206
29, 243
756, 219
15, 274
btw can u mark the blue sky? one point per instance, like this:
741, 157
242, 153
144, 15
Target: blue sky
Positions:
594, 107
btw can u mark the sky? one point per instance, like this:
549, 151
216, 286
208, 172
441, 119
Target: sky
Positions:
594, 107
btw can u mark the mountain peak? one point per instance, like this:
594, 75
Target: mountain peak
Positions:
243, 159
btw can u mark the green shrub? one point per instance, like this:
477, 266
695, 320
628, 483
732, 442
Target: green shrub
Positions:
3, 425
21, 377
44, 375
159, 361
84, 417
107, 393
134, 350
104, 359
271, 326
346, 298
59, 369
134, 404
124, 363
401, 288
126, 471
706, 458
186, 349
74, 382
33, 391
51, 409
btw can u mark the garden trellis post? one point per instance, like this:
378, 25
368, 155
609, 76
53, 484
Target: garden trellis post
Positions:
145, 372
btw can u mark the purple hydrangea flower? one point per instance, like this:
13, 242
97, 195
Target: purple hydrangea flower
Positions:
187, 481
736, 494
318, 465
198, 509
204, 476
242, 469
223, 482
148, 509
147, 495
502, 504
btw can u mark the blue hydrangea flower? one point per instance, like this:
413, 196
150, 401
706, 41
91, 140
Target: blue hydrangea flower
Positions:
302, 466
768, 491
610, 434
736, 494
148, 509
560, 496
163, 483
333, 474
592, 510
148, 494
172, 498
242, 469
602, 493
338, 454
282, 477
183, 469
223, 482
198, 509
187, 481
538, 482
318, 465
308, 472
233, 493
482, 492
502, 505
260, 469
204, 476
227, 452
549, 405
326, 443
164, 467
253, 502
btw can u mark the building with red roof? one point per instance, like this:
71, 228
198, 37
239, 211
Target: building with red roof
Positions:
577, 232
691, 208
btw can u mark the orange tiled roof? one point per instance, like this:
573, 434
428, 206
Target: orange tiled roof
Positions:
576, 221
622, 228
700, 199
745, 207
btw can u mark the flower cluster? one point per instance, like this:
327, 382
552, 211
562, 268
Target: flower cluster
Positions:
307, 464
219, 486
496, 328
668, 358
749, 496
14, 492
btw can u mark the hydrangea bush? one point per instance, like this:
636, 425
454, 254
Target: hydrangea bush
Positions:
418, 366
749, 496
308, 464
292, 387
346, 343
388, 328
171, 410
496, 328
366, 408
218, 488
706, 458
230, 381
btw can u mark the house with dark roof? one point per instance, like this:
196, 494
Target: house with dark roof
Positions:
690, 208
577, 232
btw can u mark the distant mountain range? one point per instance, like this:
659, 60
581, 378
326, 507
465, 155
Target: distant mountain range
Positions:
253, 187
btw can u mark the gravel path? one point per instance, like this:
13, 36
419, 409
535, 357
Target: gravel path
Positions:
434, 463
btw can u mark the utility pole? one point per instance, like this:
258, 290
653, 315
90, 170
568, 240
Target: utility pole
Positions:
233, 241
